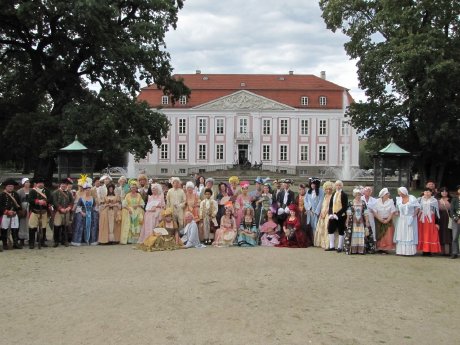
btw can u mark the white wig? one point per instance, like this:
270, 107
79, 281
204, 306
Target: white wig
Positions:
190, 184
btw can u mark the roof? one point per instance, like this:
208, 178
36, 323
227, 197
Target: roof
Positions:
75, 146
283, 88
393, 149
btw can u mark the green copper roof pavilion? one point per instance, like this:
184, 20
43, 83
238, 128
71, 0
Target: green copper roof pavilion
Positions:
75, 146
393, 149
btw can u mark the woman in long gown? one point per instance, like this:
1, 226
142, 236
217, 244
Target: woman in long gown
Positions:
292, 236
227, 231
242, 199
406, 232
357, 233
313, 202
110, 217
85, 225
248, 234
265, 202
222, 198
159, 241
152, 216
321, 234
384, 210
428, 227
132, 215
192, 201
269, 230
234, 189
175, 200
445, 234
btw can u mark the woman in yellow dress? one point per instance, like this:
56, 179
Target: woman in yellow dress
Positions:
110, 217
321, 234
132, 215
158, 240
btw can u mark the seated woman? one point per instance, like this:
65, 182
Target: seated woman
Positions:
226, 234
163, 237
269, 230
248, 234
190, 237
292, 236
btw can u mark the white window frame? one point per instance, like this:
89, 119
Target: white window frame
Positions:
283, 154
322, 101
344, 128
182, 152
164, 100
220, 128
343, 148
266, 126
202, 154
322, 153
304, 126
183, 100
202, 125
163, 170
164, 151
220, 152
266, 152
182, 128
304, 100
322, 130
243, 125
284, 128
303, 153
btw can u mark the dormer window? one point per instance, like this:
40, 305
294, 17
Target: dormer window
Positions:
183, 100
304, 100
164, 100
322, 101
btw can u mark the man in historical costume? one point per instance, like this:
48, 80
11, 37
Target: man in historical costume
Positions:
143, 184
285, 198
337, 216
208, 213
10, 205
40, 202
209, 184
175, 199
276, 190
255, 195
63, 203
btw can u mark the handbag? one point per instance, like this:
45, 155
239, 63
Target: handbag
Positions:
451, 221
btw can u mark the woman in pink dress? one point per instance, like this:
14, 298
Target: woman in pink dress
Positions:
241, 200
192, 201
269, 230
155, 205
226, 234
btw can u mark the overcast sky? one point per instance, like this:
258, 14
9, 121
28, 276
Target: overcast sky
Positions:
259, 36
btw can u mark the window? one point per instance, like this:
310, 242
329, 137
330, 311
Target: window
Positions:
345, 128
182, 126
182, 171
163, 170
322, 153
243, 125
164, 151
303, 172
219, 126
266, 127
304, 100
322, 127
182, 152
304, 127
164, 99
219, 152
183, 100
265, 152
202, 126
202, 152
304, 152
283, 152
322, 100
284, 127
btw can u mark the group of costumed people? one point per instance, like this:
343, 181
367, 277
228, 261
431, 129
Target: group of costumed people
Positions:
170, 215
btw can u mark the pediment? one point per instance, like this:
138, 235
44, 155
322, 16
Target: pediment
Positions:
243, 100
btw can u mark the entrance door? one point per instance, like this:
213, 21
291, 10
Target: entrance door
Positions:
242, 154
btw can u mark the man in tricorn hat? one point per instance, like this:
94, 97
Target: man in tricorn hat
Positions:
10, 204
40, 201
62, 202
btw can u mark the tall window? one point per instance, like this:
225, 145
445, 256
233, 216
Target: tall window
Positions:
265, 152
243, 125
202, 126
202, 152
283, 152
322, 100
345, 128
182, 152
164, 99
304, 100
182, 126
164, 151
183, 100
322, 127
266, 126
304, 127
304, 152
322, 153
284, 127
219, 126
219, 152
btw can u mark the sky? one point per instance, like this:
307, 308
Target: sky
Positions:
259, 36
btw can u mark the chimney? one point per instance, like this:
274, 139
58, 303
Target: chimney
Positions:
291, 72
198, 71
323, 75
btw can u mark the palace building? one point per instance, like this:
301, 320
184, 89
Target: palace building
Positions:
287, 123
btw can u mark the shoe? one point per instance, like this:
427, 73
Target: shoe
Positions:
454, 256
339, 250
329, 249
55, 244
44, 245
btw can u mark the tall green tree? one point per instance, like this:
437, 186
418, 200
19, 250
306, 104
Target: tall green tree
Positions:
408, 59
52, 51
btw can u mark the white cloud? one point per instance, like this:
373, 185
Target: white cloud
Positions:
259, 36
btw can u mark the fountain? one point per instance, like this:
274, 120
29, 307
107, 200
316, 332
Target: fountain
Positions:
131, 170
346, 168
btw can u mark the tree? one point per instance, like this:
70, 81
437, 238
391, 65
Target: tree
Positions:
51, 51
408, 59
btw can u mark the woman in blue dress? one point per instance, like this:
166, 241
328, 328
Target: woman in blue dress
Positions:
85, 220
248, 234
313, 202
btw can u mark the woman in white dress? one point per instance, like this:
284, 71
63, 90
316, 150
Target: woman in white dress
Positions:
406, 233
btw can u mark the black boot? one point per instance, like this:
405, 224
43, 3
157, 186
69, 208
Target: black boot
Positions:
44, 239
56, 235
32, 233
21, 241
64, 236
5, 238
15, 234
